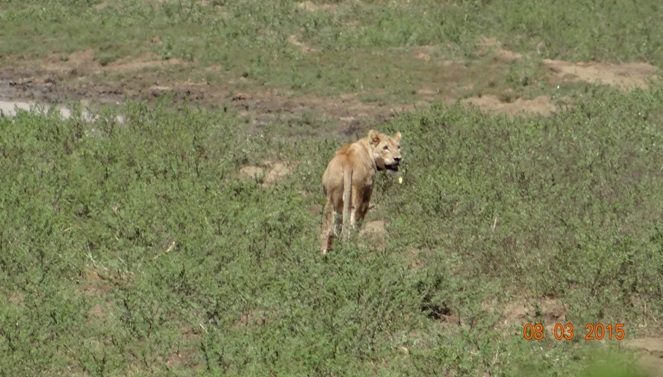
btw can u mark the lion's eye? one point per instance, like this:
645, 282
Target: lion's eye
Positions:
386, 147
399, 146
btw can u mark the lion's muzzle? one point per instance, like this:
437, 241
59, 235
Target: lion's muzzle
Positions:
394, 165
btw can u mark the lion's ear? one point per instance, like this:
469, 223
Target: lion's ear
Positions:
397, 136
373, 137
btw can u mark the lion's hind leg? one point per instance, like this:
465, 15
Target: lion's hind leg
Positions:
327, 230
347, 209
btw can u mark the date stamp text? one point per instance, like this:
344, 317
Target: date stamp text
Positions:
566, 331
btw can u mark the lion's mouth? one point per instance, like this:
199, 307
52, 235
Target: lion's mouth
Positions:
392, 167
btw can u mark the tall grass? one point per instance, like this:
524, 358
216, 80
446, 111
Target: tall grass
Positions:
137, 248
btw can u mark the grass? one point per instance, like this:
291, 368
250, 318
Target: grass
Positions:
251, 39
137, 248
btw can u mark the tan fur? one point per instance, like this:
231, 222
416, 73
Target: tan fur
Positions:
348, 182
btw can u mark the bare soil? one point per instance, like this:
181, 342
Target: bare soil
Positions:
651, 362
269, 171
540, 105
374, 234
624, 76
81, 77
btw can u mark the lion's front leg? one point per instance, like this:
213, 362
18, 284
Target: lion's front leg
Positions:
355, 214
359, 208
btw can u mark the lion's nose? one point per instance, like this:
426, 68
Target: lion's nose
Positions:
397, 159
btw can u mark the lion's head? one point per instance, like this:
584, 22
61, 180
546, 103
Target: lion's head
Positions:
386, 150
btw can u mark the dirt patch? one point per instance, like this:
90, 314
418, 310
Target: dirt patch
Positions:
145, 61
423, 56
550, 310
253, 318
310, 6
92, 283
101, 313
269, 171
652, 345
651, 362
416, 257
347, 110
184, 358
374, 234
292, 39
97, 311
86, 62
100, 6
315, 209
489, 44
16, 298
542, 105
89, 77
624, 76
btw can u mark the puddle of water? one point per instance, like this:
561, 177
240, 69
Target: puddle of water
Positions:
10, 108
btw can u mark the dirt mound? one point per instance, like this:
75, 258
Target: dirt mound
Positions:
492, 44
310, 6
293, 40
270, 171
550, 309
625, 76
374, 233
540, 105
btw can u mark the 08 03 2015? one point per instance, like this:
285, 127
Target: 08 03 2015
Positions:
566, 331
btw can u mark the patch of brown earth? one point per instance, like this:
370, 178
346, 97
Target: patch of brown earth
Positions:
352, 114
292, 39
85, 62
374, 233
92, 283
310, 6
431, 54
491, 44
144, 61
651, 363
186, 355
542, 105
269, 171
184, 358
625, 76
101, 313
101, 5
416, 257
80, 76
97, 311
253, 318
423, 56
520, 312
16, 298
315, 209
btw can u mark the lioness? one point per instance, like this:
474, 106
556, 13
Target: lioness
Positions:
348, 182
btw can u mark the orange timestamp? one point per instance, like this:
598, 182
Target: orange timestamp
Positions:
595, 331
